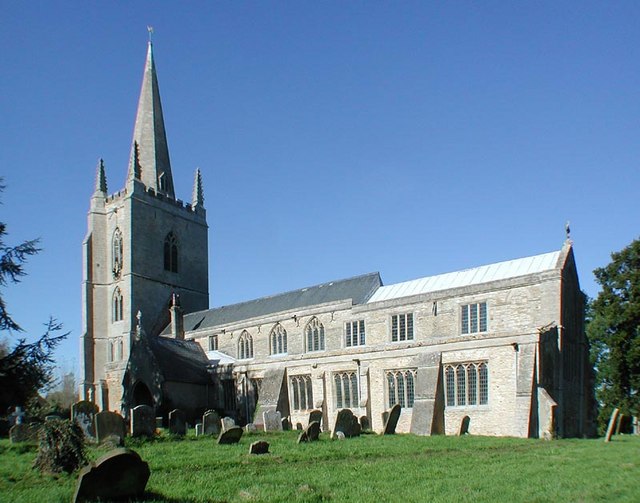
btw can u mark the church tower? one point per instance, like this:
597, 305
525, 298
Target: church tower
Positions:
142, 246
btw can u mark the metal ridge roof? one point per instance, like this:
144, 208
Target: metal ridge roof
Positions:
467, 277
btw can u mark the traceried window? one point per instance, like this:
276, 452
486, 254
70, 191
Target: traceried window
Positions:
402, 327
314, 334
117, 252
473, 318
117, 305
301, 392
401, 387
213, 343
171, 253
278, 340
245, 346
346, 388
467, 384
354, 333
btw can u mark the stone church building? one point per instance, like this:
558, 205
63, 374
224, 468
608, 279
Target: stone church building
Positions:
502, 344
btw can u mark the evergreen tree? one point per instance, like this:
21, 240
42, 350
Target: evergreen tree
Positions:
614, 333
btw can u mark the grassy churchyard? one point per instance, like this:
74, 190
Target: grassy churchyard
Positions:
368, 468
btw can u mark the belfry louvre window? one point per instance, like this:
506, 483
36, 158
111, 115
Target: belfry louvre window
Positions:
473, 318
171, 253
402, 327
245, 346
467, 384
400, 387
354, 333
314, 334
118, 254
301, 392
278, 340
346, 386
117, 305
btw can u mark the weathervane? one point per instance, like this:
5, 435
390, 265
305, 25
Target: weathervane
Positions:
567, 229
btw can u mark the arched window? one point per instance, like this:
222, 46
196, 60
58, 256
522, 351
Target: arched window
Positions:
278, 340
245, 346
120, 349
117, 251
171, 253
110, 350
301, 392
117, 305
467, 384
314, 333
346, 385
400, 387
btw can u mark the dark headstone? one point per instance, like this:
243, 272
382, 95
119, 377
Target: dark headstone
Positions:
286, 425
272, 420
109, 424
118, 475
230, 436
365, 424
177, 422
83, 412
315, 415
347, 423
143, 421
464, 425
259, 447
303, 437
392, 420
211, 423
299, 427
158, 422
24, 433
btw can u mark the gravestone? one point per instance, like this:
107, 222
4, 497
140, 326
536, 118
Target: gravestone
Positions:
272, 420
392, 420
227, 423
250, 428
143, 421
177, 422
230, 436
612, 424
339, 435
286, 425
211, 423
120, 474
365, 424
199, 429
385, 416
273, 391
259, 447
23, 433
109, 424
464, 426
315, 415
346, 423
311, 433
83, 412
158, 422
299, 427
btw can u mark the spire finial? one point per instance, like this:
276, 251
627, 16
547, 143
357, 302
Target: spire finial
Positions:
197, 198
150, 30
567, 230
101, 178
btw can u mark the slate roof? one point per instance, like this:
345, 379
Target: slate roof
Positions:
180, 361
358, 289
468, 277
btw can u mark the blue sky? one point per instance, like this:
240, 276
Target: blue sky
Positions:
335, 138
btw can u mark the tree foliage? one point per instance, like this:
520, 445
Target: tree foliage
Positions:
27, 367
614, 332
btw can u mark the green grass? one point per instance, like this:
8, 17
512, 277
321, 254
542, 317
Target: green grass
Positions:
369, 468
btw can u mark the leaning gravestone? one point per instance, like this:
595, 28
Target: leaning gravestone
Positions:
310, 434
612, 424
230, 436
83, 412
177, 422
272, 420
143, 421
346, 423
392, 420
259, 447
227, 422
23, 433
315, 415
109, 424
464, 426
365, 425
286, 424
119, 475
211, 423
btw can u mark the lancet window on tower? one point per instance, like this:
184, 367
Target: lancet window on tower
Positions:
118, 254
117, 305
171, 253
314, 333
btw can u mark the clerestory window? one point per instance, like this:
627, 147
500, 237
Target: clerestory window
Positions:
402, 327
473, 318
354, 333
314, 334
278, 340
245, 346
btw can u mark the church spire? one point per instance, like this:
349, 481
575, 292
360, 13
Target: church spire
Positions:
198, 194
149, 160
101, 178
